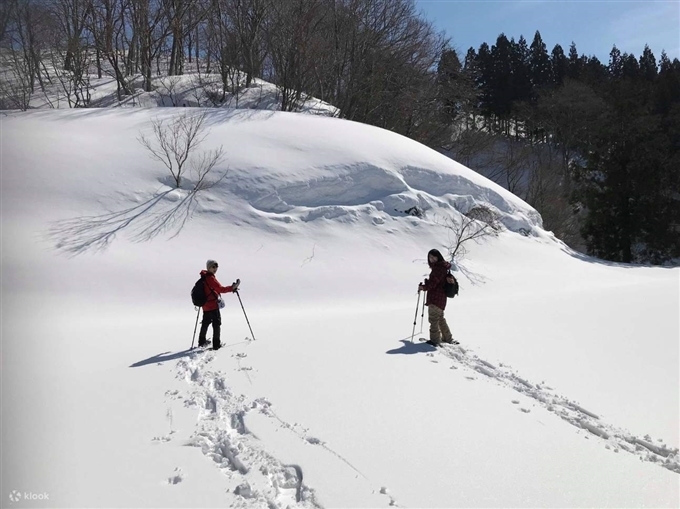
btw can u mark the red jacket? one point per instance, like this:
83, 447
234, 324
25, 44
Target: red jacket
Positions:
436, 295
212, 290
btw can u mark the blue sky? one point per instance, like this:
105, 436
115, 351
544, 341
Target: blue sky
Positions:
594, 25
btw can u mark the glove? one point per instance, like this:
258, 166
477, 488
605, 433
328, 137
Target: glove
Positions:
234, 286
421, 288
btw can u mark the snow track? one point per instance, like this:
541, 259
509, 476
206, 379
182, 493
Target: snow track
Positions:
261, 479
222, 436
614, 438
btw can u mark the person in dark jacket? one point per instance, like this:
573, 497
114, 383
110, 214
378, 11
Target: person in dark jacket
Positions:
211, 309
436, 298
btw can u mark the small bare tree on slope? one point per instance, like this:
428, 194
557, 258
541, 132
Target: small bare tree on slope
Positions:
477, 223
174, 142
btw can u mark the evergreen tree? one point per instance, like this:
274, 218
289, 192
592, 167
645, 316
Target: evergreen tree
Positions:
631, 67
559, 65
595, 73
484, 71
575, 64
539, 62
667, 89
501, 77
615, 63
453, 89
523, 90
521, 74
630, 180
472, 74
648, 67
633, 214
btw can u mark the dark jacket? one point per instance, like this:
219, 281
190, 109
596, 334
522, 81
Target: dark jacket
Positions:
434, 285
212, 290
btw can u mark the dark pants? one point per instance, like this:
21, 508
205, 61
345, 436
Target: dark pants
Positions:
210, 317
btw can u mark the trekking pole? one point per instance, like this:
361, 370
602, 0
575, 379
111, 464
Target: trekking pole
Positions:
244, 314
415, 318
194, 337
422, 316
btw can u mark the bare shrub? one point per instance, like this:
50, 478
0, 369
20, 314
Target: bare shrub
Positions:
167, 211
174, 143
168, 88
479, 222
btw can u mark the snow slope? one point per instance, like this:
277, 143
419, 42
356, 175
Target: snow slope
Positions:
564, 392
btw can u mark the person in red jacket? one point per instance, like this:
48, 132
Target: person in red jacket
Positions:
211, 309
436, 298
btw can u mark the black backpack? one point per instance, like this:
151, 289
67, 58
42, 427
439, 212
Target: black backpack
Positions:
451, 289
198, 295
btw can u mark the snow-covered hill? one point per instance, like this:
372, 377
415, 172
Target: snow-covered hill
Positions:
564, 392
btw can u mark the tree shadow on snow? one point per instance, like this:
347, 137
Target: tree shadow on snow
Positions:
146, 220
408, 348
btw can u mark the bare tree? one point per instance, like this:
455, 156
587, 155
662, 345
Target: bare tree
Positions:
71, 16
183, 17
174, 143
75, 83
25, 25
293, 29
379, 65
109, 24
168, 88
248, 19
15, 83
5, 10
150, 29
470, 142
225, 49
479, 222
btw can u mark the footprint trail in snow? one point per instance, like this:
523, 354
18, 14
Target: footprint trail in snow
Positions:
222, 435
614, 438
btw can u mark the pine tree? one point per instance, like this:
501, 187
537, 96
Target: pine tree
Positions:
667, 89
559, 64
453, 89
575, 65
648, 67
539, 62
484, 70
615, 63
629, 183
595, 73
631, 67
500, 88
521, 82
